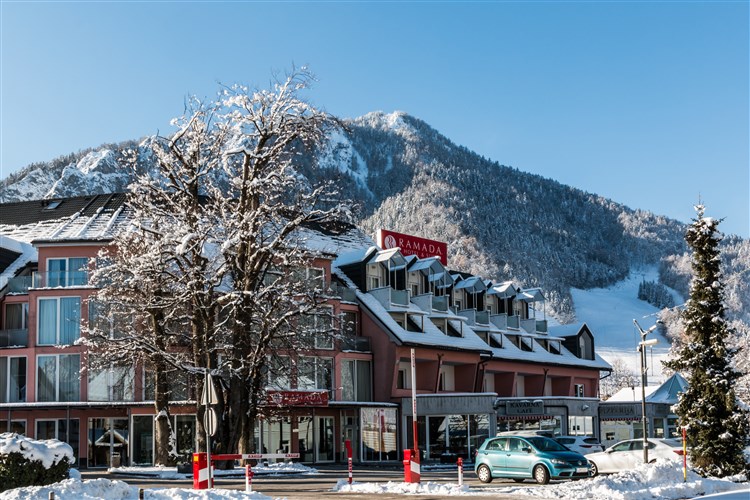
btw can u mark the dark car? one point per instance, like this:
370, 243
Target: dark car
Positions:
528, 457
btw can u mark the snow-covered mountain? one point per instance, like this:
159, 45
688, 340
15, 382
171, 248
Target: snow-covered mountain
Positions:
498, 221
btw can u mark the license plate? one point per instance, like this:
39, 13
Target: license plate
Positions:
582, 469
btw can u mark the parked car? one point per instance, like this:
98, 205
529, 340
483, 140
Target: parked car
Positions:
581, 444
626, 455
528, 457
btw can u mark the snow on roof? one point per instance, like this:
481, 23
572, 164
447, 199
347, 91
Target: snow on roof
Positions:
631, 394
47, 451
504, 289
431, 336
353, 256
27, 254
568, 330
669, 391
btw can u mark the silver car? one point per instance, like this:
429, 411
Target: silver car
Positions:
584, 445
627, 455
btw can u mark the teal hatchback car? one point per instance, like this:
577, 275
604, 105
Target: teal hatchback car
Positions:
521, 457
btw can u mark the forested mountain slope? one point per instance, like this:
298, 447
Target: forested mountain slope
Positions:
498, 221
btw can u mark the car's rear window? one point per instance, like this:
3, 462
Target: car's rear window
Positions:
591, 441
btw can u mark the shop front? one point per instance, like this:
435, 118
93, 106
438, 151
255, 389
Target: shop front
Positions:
558, 416
449, 426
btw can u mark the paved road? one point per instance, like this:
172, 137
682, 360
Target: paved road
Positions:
315, 486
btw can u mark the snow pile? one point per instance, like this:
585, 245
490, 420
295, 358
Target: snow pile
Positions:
49, 451
97, 489
400, 488
662, 479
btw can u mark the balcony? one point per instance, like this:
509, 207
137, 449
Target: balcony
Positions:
14, 338
19, 284
514, 322
61, 279
357, 344
344, 293
482, 317
388, 297
533, 325
440, 303
500, 320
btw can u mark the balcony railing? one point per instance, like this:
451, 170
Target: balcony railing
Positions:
500, 320
440, 303
19, 284
359, 344
387, 296
14, 338
482, 317
541, 325
513, 322
346, 294
55, 279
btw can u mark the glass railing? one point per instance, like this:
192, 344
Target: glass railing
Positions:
500, 320
541, 326
19, 284
529, 325
359, 344
483, 317
56, 279
344, 293
513, 322
440, 303
14, 338
400, 297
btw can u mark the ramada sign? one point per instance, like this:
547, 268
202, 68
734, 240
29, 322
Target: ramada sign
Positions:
413, 245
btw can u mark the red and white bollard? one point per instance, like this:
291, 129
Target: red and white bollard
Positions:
201, 472
248, 479
460, 471
348, 445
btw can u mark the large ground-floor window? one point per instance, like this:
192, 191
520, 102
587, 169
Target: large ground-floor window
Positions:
379, 434
63, 429
444, 438
551, 423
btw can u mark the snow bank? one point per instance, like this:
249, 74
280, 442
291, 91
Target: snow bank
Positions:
661, 480
171, 472
98, 489
48, 451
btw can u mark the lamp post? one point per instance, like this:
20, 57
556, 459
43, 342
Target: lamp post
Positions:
642, 350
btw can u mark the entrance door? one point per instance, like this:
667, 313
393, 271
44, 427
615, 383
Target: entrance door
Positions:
324, 445
351, 427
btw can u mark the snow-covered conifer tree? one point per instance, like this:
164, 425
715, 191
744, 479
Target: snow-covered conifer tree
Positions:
716, 427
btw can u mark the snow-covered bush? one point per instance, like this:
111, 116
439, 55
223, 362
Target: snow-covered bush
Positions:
29, 462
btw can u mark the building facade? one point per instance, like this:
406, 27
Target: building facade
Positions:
485, 358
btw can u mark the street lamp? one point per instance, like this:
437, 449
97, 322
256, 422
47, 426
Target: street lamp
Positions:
642, 349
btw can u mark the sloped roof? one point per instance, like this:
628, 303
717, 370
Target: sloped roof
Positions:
669, 391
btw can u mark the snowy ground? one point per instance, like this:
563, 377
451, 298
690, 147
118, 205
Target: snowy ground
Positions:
662, 480
609, 313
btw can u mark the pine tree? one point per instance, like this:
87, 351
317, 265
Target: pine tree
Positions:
716, 427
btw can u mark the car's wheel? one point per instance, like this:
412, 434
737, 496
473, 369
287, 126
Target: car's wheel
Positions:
541, 475
594, 469
518, 479
484, 474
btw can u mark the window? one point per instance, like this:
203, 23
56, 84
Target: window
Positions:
16, 426
373, 282
66, 430
111, 384
404, 375
447, 377
311, 276
414, 289
315, 373
59, 321
12, 380
57, 377
106, 320
179, 385
67, 272
319, 328
579, 393
356, 380
279, 368
16, 316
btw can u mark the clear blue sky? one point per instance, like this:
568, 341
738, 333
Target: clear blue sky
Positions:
645, 103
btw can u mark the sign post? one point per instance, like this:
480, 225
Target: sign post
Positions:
209, 398
411, 457
348, 445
